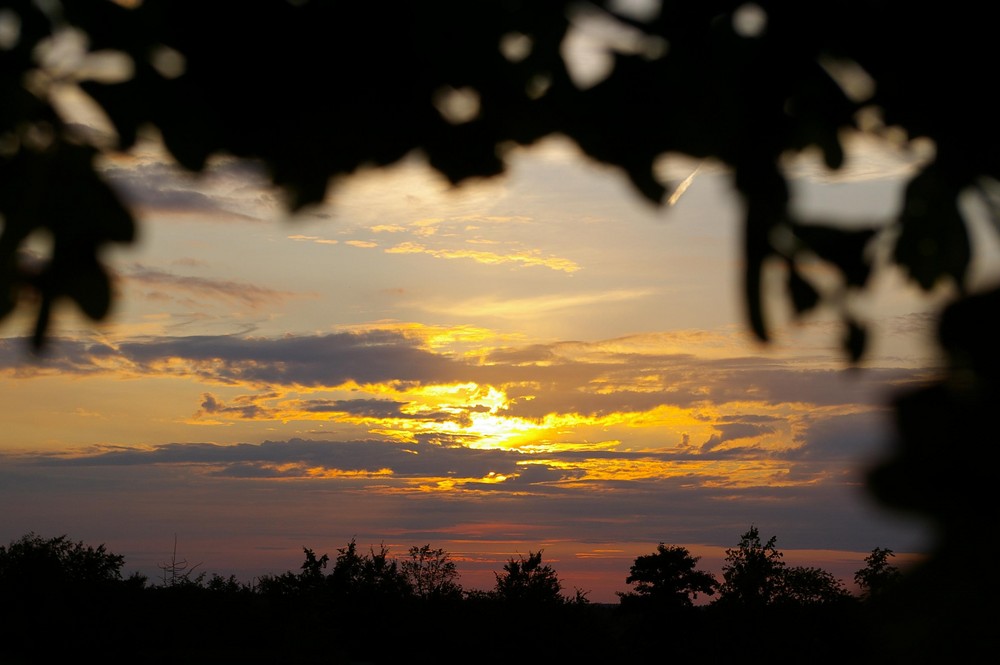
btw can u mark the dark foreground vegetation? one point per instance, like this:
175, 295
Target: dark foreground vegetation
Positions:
66, 602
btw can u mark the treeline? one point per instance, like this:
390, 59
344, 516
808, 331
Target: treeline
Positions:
65, 599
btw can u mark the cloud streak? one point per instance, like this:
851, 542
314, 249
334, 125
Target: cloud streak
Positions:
250, 295
527, 258
561, 413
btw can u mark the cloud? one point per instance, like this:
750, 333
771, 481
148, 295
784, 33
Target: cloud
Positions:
310, 459
245, 407
424, 374
869, 158
733, 432
321, 360
522, 257
855, 437
591, 413
425, 466
317, 360
229, 190
251, 295
316, 239
372, 408
536, 305
409, 488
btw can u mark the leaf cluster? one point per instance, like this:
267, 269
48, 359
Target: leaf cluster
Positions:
316, 90
668, 578
756, 576
527, 580
355, 577
56, 563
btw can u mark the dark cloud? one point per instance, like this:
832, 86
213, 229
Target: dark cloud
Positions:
244, 408
382, 408
320, 360
856, 437
160, 186
231, 490
327, 360
370, 408
60, 354
251, 295
734, 431
404, 460
296, 457
748, 418
622, 383
528, 355
638, 383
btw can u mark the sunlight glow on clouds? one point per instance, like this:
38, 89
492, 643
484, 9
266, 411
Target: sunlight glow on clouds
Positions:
402, 383
527, 258
564, 373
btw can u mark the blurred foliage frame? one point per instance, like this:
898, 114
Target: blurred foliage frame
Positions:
315, 89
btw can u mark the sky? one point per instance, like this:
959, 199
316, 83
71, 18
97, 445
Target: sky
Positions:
539, 361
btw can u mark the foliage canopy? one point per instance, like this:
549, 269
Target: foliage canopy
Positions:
528, 580
317, 89
431, 573
753, 572
878, 576
755, 576
57, 563
668, 578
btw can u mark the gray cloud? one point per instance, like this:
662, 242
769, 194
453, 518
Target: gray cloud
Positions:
847, 438
231, 490
320, 360
245, 407
734, 431
371, 408
252, 295
405, 460
618, 383
223, 193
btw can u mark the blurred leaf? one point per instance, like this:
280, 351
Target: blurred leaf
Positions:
845, 248
804, 295
91, 289
855, 341
42, 320
755, 304
933, 242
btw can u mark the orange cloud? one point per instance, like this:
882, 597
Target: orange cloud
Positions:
524, 257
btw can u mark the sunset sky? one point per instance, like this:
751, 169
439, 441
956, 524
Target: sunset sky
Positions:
539, 361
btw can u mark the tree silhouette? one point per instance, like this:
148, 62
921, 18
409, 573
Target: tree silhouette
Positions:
371, 577
431, 573
808, 585
178, 571
313, 566
57, 562
668, 578
878, 576
755, 576
527, 580
382, 576
753, 572
309, 579
348, 575
58, 596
